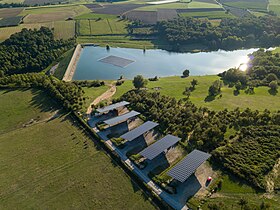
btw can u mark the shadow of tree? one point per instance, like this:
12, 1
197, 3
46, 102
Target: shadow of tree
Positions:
272, 92
209, 98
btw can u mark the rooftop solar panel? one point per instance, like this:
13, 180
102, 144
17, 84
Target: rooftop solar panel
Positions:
133, 134
121, 118
186, 167
112, 106
159, 146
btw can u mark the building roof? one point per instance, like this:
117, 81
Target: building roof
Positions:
121, 118
186, 167
159, 146
112, 107
133, 134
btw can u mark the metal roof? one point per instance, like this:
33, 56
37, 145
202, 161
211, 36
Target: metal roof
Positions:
112, 107
121, 118
186, 167
133, 134
159, 146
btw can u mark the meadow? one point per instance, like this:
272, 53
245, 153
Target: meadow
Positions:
43, 167
274, 5
209, 15
175, 86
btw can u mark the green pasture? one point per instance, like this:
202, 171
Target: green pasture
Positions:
175, 86
53, 165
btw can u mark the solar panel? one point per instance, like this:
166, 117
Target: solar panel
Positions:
121, 118
133, 134
159, 146
112, 107
117, 61
186, 167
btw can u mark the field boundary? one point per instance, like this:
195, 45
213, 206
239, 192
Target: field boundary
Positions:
69, 73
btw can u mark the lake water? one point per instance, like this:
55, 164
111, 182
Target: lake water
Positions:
153, 63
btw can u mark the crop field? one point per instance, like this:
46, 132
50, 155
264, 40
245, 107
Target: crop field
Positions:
248, 4
11, 1
114, 9
102, 27
43, 167
10, 21
175, 86
11, 12
163, 6
40, 2
62, 29
148, 17
48, 14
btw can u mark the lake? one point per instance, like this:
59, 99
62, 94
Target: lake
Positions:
97, 63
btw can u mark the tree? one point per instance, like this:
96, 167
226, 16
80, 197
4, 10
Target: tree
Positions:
139, 82
271, 77
242, 202
215, 88
238, 86
186, 73
273, 85
194, 82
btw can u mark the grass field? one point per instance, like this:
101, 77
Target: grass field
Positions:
62, 29
175, 86
233, 190
63, 64
10, 12
48, 14
53, 165
102, 27
274, 5
92, 93
248, 5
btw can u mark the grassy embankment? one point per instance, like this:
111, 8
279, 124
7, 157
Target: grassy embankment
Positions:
52, 164
175, 86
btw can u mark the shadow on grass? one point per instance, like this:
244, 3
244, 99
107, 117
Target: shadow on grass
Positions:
209, 98
272, 92
41, 100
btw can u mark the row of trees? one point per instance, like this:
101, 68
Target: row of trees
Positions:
67, 94
31, 51
229, 34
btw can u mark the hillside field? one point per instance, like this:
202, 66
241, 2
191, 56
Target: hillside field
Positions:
51, 164
175, 86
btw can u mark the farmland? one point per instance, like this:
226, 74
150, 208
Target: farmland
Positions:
10, 21
274, 5
44, 164
209, 15
52, 13
11, 12
175, 86
251, 4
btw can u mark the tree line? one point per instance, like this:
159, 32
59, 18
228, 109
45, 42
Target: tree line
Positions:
229, 34
31, 51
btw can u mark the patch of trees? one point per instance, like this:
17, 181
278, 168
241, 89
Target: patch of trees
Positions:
6, 5
67, 94
263, 70
229, 34
93, 83
201, 128
253, 154
31, 51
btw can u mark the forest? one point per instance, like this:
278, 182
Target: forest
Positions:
263, 68
201, 128
229, 34
31, 51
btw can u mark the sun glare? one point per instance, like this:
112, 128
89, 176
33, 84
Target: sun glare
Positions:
244, 63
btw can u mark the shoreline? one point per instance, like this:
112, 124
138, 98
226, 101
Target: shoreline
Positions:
72, 66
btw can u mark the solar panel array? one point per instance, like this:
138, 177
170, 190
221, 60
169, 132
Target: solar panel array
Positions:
159, 146
117, 61
186, 167
121, 118
133, 134
112, 107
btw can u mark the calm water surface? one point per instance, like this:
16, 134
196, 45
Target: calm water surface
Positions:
155, 63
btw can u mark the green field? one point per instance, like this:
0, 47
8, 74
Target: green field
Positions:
53, 165
62, 29
274, 5
233, 190
102, 27
175, 86
248, 5
92, 93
